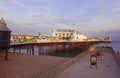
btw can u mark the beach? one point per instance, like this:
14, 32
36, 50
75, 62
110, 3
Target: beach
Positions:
27, 66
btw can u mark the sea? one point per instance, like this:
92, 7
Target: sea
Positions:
114, 44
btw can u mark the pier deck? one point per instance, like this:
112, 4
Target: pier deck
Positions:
107, 67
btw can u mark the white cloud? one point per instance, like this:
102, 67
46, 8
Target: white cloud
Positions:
99, 17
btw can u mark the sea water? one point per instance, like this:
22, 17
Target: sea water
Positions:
114, 44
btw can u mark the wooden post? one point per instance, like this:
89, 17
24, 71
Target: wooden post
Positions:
6, 56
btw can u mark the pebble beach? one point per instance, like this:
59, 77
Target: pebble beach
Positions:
27, 66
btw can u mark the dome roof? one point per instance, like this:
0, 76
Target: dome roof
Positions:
3, 26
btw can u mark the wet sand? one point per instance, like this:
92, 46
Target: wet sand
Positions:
27, 66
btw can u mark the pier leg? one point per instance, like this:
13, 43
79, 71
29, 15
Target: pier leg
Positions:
32, 50
14, 49
39, 50
27, 49
51, 49
19, 49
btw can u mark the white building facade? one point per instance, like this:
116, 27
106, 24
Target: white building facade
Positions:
69, 34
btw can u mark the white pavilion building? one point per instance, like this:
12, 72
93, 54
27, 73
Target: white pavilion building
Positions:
69, 34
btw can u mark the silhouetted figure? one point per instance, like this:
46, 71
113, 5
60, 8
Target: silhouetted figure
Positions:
118, 53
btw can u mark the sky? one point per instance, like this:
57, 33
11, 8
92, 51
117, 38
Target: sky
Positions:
94, 18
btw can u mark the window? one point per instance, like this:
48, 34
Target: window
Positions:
67, 34
56, 34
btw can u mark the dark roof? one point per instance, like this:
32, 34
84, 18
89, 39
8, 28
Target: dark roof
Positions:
3, 26
65, 30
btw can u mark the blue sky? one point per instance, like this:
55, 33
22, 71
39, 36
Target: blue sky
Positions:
92, 17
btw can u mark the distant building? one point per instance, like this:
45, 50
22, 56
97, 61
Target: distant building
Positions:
16, 38
42, 37
69, 34
107, 39
94, 39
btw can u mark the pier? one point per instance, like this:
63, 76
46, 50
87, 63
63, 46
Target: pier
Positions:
49, 48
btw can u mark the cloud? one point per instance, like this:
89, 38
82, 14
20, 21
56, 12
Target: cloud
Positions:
93, 16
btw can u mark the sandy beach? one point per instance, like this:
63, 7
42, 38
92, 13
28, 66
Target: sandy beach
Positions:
27, 66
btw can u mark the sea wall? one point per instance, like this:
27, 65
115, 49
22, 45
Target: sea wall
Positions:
117, 56
54, 71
